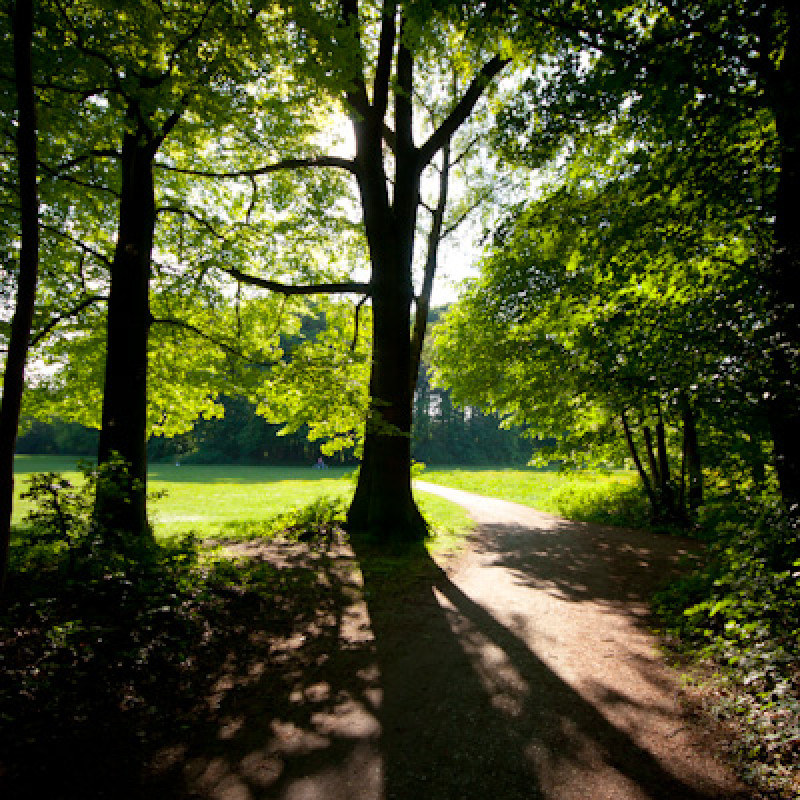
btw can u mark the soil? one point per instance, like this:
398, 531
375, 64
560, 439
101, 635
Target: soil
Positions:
522, 667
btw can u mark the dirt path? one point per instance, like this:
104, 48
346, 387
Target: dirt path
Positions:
521, 669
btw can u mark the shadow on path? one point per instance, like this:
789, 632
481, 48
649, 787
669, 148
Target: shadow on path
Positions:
470, 711
419, 692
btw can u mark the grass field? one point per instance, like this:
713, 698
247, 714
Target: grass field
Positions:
214, 500
235, 500
609, 497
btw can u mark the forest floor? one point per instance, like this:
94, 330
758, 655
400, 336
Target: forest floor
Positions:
521, 667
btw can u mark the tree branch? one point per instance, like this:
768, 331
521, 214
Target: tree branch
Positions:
79, 244
286, 164
74, 311
383, 68
431, 262
188, 38
357, 98
343, 287
192, 215
462, 110
74, 162
230, 349
88, 51
355, 323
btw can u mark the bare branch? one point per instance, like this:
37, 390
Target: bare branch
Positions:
286, 164
343, 287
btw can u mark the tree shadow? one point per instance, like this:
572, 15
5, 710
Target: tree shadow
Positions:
494, 720
562, 556
402, 686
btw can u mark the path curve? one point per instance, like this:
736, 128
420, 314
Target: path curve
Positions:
577, 595
522, 669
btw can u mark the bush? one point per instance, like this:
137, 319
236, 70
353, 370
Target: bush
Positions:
742, 610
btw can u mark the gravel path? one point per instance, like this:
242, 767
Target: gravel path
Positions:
521, 669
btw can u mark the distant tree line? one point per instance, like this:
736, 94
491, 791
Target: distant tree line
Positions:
442, 434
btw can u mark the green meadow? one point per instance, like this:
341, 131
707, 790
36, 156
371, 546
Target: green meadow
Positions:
213, 500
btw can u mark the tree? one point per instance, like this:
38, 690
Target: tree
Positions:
182, 68
693, 77
604, 304
27, 272
340, 45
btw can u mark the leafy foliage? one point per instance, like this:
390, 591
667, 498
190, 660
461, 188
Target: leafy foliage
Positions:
742, 609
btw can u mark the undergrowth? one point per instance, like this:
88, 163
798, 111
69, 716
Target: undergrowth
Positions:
741, 611
110, 640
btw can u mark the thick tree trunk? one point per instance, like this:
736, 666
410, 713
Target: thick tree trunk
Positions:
14, 376
383, 506
121, 503
784, 400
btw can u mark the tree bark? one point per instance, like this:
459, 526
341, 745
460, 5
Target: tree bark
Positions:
651, 455
431, 263
693, 464
21, 323
120, 507
383, 505
648, 486
784, 395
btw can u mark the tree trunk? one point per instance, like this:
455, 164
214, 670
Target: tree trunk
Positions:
383, 506
784, 400
694, 467
651, 455
648, 487
14, 376
121, 502
666, 489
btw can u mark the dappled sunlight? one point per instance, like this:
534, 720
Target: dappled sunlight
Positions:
493, 678
294, 713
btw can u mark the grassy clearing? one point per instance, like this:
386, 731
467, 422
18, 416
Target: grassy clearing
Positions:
240, 501
603, 497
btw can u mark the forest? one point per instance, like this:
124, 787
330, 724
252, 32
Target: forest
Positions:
223, 222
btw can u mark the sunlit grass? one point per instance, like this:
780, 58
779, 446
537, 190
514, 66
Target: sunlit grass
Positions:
240, 501
612, 497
